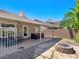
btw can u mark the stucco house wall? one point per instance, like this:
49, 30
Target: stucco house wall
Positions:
19, 26
31, 28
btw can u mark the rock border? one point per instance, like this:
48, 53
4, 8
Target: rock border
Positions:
64, 48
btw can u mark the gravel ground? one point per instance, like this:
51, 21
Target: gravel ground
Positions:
32, 52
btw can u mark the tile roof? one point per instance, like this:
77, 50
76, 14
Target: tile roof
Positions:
55, 24
15, 17
45, 23
11, 16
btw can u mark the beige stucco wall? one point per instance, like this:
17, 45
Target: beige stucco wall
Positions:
31, 28
19, 26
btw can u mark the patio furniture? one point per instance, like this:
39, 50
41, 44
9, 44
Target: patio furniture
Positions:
36, 35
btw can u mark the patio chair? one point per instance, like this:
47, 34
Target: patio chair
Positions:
36, 36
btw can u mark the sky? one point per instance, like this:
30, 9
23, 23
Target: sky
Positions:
39, 9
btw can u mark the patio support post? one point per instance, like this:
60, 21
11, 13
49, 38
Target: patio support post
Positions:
40, 33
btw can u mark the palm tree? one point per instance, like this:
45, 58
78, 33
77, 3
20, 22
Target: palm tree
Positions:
77, 23
69, 22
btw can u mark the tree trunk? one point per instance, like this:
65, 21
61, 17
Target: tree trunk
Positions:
71, 33
75, 30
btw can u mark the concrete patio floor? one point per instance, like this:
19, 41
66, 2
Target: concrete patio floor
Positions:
32, 48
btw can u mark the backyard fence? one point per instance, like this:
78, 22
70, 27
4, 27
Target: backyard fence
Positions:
8, 40
58, 33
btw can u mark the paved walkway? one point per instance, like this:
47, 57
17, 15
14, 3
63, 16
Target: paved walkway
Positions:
32, 49
53, 54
